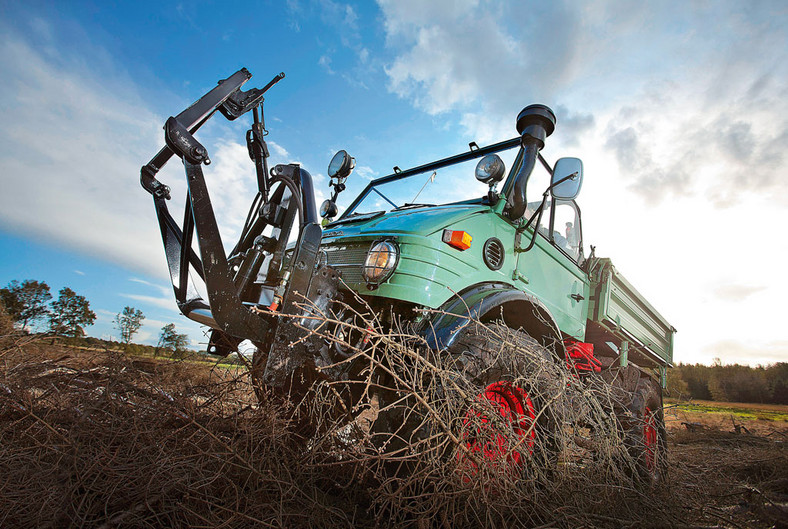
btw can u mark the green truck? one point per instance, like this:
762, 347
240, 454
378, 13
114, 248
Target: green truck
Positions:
412, 248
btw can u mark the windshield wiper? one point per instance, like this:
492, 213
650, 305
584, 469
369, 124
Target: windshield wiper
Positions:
410, 206
356, 217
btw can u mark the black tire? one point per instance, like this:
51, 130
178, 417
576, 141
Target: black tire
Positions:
294, 403
645, 433
485, 359
493, 356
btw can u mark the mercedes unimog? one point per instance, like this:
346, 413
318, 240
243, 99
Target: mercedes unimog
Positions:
479, 236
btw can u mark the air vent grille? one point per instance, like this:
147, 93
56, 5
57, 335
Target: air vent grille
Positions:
493, 254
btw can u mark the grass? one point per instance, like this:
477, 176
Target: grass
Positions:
744, 411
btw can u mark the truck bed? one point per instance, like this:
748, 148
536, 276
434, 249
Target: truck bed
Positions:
618, 313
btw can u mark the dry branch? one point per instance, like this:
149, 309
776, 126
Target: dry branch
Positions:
103, 440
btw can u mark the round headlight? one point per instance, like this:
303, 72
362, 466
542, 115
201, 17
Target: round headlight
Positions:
490, 169
381, 261
328, 209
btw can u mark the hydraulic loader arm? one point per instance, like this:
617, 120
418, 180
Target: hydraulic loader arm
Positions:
224, 309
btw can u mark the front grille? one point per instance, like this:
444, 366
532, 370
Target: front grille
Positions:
348, 260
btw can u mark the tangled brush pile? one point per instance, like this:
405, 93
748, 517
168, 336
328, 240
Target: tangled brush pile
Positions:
98, 439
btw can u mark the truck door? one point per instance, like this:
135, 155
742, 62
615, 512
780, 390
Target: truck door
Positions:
551, 271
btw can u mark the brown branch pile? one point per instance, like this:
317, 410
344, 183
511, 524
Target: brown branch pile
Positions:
574, 461
103, 440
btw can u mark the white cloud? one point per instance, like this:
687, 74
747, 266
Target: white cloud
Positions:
165, 290
163, 302
736, 292
681, 109
72, 141
143, 336
278, 151
367, 173
71, 144
731, 351
671, 91
325, 63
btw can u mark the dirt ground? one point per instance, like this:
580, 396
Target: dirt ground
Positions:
683, 419
91, 439
733, 472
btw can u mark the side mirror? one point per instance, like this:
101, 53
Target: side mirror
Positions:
567, 178
341, 165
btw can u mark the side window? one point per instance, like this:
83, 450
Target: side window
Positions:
566, 229
538, 182
544, 222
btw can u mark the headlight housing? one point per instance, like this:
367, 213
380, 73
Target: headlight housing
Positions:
381, 261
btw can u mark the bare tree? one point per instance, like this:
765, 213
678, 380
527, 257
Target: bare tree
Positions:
128, 323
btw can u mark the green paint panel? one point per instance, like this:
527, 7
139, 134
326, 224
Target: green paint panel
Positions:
554, 278
430, 271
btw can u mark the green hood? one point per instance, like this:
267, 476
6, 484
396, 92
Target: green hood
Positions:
422, 221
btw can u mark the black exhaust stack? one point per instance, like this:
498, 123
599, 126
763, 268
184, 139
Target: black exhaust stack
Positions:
534, 124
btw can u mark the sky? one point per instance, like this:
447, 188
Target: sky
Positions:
679, 111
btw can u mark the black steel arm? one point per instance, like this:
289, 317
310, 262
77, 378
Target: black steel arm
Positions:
227, 310
192, 119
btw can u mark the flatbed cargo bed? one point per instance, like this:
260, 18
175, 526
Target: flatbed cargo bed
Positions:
619, 314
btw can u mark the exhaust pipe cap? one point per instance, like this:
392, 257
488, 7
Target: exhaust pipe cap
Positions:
537, 122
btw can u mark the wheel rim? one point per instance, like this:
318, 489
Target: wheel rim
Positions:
484, 441
650, 440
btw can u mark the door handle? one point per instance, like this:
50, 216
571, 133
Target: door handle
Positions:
577, 297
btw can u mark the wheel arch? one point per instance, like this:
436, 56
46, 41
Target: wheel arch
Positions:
487, 302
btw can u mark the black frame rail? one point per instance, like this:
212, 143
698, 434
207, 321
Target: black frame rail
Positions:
452, 160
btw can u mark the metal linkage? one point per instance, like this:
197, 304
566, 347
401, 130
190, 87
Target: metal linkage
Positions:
226, 310
191, 119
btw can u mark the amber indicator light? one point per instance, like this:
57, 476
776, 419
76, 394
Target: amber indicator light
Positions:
457, 239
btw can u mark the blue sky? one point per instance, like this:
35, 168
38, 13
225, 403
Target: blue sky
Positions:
678, 109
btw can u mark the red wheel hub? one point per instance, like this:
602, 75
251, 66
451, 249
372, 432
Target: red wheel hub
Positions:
483, 439
650, 439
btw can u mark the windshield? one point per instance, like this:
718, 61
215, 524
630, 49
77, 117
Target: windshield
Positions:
445, 185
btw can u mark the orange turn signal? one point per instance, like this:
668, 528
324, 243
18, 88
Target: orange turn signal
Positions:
457, 239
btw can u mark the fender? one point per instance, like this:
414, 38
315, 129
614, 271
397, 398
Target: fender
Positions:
487, 302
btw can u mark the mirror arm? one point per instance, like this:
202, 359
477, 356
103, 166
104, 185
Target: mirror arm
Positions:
564, 179
538, 216
546, 165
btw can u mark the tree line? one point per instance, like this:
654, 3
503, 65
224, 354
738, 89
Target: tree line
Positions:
30, 303
730, 383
